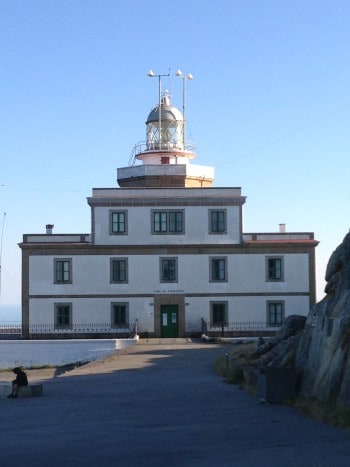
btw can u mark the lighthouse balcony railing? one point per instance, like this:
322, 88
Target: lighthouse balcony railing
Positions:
144, 147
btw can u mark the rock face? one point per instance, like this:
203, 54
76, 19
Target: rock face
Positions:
323, 358
280, 350
318, 349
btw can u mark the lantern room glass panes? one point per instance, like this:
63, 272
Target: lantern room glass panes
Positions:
171, 135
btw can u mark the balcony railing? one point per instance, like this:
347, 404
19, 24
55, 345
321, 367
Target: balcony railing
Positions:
144, 147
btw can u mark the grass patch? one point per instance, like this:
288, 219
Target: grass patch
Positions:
324, 411
232, 365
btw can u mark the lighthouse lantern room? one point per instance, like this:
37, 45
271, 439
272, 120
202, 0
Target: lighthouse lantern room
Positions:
165, 147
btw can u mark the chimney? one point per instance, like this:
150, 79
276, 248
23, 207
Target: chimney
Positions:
282, 228
49, 228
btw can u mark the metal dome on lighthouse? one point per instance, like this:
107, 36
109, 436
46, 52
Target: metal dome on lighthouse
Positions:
166, 153
165, 126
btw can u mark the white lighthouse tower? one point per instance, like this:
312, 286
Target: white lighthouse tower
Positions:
163, 160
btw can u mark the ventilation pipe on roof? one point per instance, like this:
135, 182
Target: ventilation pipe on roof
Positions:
282, 228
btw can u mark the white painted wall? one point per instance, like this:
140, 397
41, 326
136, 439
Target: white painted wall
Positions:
140, 227
91, 275
57, 352
248, 308
246, 273
241, 308
92, 310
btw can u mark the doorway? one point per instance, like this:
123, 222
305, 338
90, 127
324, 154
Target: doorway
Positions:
169, 321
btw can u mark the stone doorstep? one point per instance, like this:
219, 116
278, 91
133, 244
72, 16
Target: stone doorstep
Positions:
32, 390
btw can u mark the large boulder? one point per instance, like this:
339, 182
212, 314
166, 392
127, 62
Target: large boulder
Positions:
277, 352
323, 358
273, 351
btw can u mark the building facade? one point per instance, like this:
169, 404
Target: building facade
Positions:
166, 250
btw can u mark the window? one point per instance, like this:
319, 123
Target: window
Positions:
175, 221
160, 223
167, 222
118, 222
275, 313
63, 315
63, 271
168, 269
217, 221
218, 269
274, 269
218, 314
120, 314
119, 270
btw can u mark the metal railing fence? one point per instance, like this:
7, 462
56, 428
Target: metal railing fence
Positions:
10, 327
248, 328
75, 328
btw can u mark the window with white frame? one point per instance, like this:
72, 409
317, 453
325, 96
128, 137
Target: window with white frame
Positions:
218, 270
119, 270
62, 271
168, 269
217, 221
168, 222
218, 314
274, 268
118, 222
275, 313
63, 316
120, 314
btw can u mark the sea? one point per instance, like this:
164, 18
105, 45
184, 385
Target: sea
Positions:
10, 313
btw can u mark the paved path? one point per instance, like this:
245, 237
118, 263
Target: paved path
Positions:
159, 405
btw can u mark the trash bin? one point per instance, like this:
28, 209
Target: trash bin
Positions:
275, 384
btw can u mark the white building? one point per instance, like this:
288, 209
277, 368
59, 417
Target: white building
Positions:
166, 249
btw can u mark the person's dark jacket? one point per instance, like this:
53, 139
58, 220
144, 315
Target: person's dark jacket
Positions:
21, 378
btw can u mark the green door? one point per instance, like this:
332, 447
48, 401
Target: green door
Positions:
169, 326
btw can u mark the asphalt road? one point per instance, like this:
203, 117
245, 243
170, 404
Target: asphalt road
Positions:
159, 405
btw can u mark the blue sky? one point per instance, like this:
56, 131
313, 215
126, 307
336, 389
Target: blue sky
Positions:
269, 108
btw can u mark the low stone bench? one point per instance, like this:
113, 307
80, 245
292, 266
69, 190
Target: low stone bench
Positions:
32, 390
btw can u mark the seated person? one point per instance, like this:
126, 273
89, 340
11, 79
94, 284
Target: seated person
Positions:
21, 380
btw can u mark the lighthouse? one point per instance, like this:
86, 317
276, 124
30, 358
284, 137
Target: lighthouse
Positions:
167, 255
163, 159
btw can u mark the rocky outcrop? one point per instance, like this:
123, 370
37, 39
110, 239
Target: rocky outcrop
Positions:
323, 359
318, 348
281, 349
